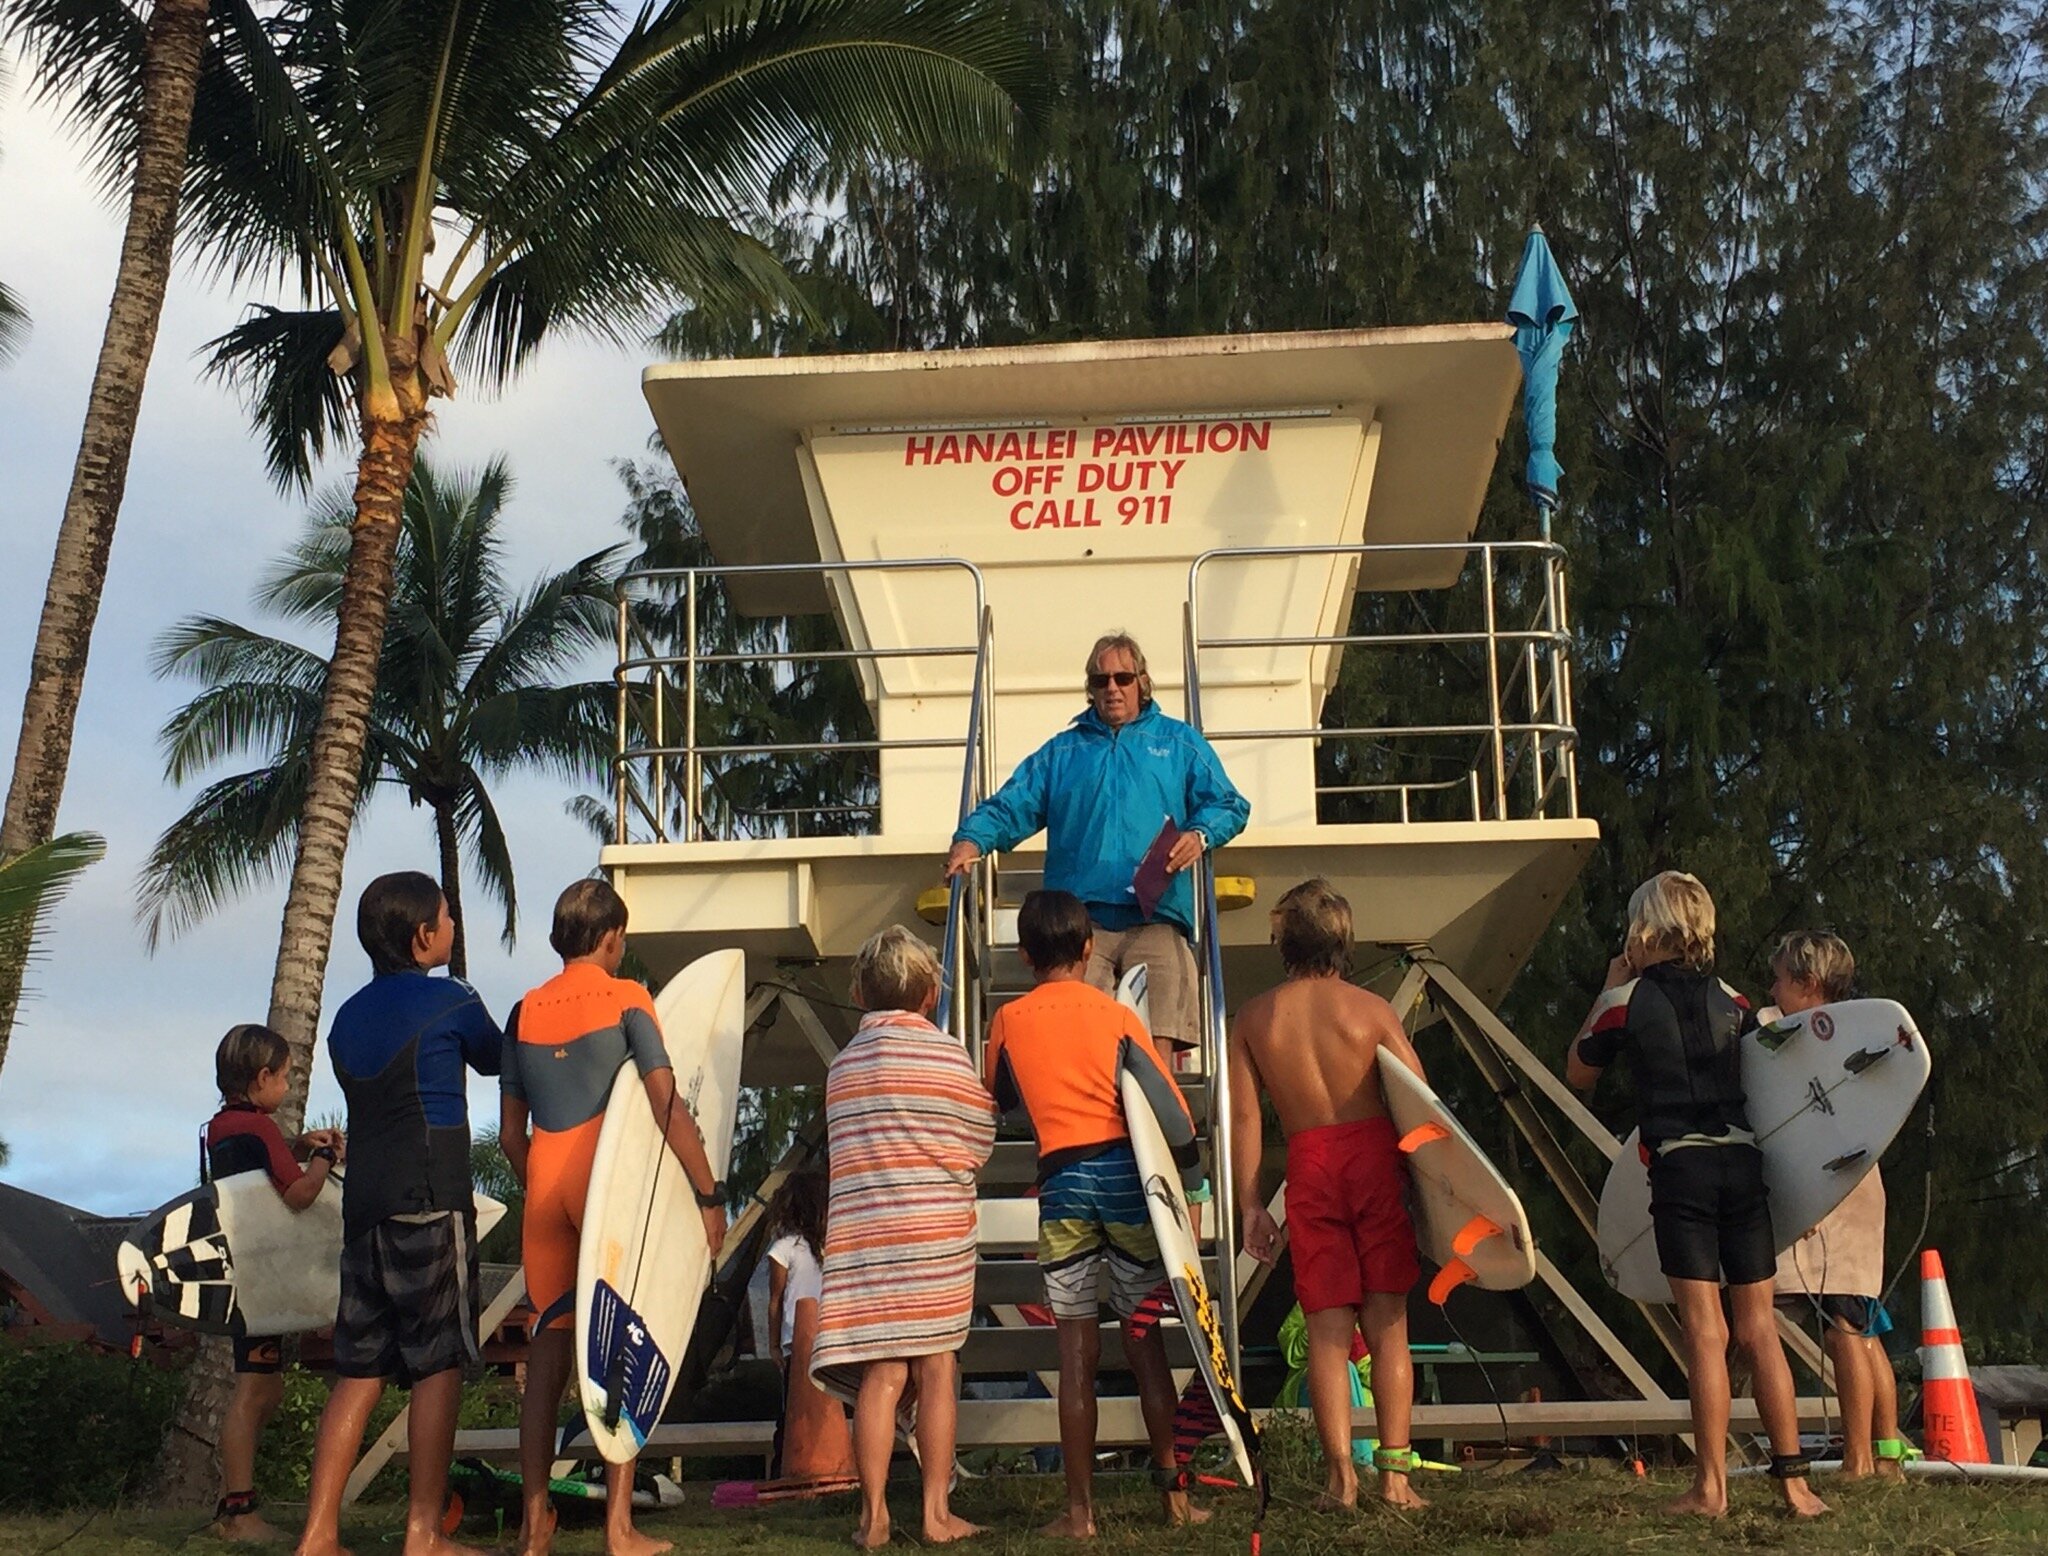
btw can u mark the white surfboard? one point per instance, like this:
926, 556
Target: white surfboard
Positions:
643, 1262
1826, 1091
1180, 1252
232, 1258
1470, 1224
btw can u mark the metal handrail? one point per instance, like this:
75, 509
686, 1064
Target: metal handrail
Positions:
695, 757
1545, 740
953, 1009
1215, 1046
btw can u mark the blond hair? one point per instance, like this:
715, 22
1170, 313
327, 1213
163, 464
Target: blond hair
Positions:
894, 971
1120, 639
1312, 927
1670, 917
1816, 959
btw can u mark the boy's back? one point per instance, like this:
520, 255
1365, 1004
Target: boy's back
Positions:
1055, 1053
1316, 1043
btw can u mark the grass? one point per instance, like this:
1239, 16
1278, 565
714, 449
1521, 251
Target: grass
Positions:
1597, 1509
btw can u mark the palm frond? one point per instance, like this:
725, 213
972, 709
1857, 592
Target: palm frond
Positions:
234, 717
276, 359
85, 57
238, 833
210, 648
13, 323
476, 820
595, 816
32, 881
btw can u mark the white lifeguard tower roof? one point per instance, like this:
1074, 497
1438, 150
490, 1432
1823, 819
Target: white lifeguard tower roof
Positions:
1440, 395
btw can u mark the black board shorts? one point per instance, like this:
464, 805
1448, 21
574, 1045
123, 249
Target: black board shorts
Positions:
258, 1355
408, 1298
1712, 1214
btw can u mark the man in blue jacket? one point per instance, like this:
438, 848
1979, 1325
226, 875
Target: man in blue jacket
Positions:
1101, 789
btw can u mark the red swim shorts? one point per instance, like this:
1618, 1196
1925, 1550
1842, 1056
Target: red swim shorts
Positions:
1347, 1215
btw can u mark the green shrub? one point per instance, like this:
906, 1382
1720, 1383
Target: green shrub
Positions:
79, 1428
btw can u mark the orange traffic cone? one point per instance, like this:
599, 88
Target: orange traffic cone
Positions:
1952, 1428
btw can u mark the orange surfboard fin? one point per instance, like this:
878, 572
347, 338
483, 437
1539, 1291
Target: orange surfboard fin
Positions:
1449, 1279
1421, 1135
1473, 1233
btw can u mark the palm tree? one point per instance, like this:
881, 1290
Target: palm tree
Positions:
463, 697
453, 181
13, 325
458, 179
131, 83
30, 884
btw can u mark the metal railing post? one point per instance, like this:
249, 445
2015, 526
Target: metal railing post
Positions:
1500, 756
657, 682
619, 779
691, 790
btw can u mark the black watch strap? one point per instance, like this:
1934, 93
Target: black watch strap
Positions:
715, 1200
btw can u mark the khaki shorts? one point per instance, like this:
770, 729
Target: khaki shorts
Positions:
1169, 968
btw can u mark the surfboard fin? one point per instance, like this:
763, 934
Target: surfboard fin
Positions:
1473, 1233
1864, 1058
1449, 1279
1421, 1135
1846, 1159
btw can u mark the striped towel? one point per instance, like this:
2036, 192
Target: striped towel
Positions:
908, 1125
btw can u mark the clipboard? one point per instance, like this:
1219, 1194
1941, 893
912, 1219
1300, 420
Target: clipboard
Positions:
1149, 881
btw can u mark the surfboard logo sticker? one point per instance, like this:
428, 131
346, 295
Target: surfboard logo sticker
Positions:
1212, 1334
1823, 1026
625, 1357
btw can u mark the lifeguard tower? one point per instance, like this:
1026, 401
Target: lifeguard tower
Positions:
1256, 510
1253, 509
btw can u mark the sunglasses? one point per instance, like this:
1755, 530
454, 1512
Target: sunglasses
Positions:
1104, 679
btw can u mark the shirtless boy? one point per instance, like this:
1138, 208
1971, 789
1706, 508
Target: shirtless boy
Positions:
1312, 1045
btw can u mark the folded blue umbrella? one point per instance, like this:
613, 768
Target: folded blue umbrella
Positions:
1543, 314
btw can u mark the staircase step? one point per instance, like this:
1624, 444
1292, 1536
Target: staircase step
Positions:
1036, 1349
1014, 1165
1011, 1225
1011, 1282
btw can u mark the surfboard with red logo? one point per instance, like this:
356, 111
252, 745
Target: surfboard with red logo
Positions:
1826, 1091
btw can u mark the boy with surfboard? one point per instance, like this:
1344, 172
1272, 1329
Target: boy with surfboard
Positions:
1312, 1044
1682, 1030
408, 1307
1058, 1055
252, 1067
565, 1044
1836, 1270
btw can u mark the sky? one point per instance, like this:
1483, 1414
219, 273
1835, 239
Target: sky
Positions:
109, 1076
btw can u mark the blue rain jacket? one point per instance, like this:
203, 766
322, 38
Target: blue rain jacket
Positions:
1100, 795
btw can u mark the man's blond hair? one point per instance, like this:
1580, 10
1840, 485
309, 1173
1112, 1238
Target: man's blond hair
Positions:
1670, 916
1312, 927
894, 971
1818, 960
1120, 639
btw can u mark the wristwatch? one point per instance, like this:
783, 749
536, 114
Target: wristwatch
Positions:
714, 1200
323, 1153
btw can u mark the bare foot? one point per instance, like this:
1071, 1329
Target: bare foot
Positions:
1890, 1469
537, 1536
325, 1545
872, 1535
1697, 1503
1339, 1496
944, 1531
1800, 1500
1181, 1510
634, 1543
1396, 1492
1073, 1524
247, 1529
436, 1544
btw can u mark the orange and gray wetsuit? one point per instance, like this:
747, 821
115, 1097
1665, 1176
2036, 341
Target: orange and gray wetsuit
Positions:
564, 1044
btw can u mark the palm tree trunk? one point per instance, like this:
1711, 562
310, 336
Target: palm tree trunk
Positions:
170, 76
451, 885
190, 1467
390, 445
